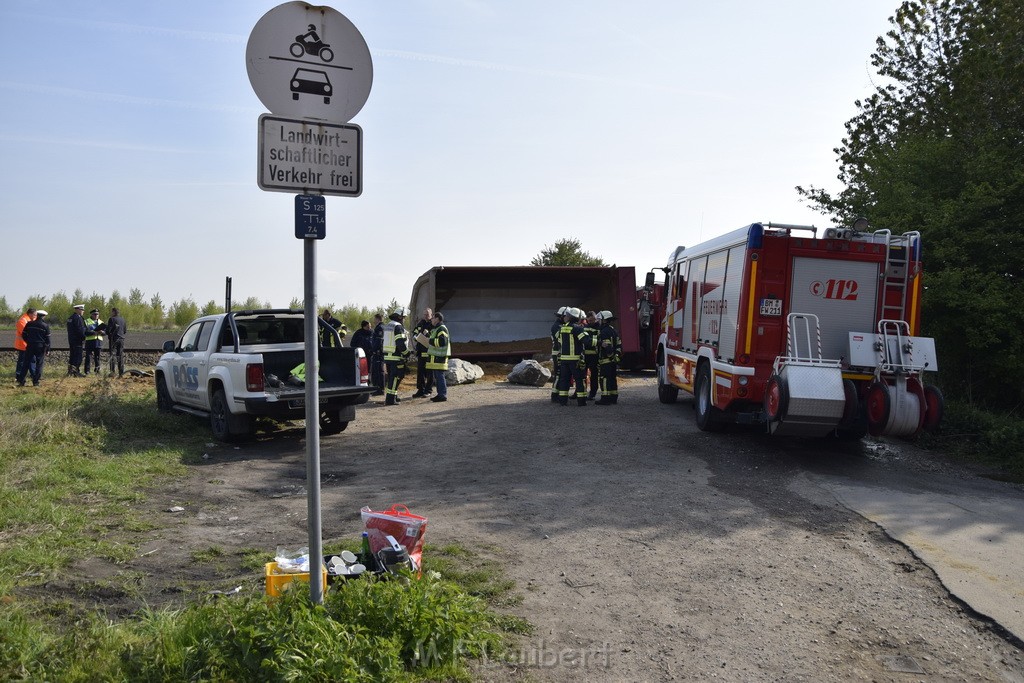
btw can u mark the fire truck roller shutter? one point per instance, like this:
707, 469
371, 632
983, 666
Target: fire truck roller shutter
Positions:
841, 293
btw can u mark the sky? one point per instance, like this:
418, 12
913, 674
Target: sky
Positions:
128, 139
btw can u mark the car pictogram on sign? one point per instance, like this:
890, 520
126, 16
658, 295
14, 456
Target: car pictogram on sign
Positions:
310, 82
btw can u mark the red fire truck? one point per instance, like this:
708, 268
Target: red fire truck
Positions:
811, 335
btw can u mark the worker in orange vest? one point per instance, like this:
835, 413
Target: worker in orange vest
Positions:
19, 342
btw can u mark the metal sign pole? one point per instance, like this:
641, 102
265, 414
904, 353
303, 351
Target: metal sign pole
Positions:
316, 554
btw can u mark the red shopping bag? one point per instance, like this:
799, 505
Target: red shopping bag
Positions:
407, 528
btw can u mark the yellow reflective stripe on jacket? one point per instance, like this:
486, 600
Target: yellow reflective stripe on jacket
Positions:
592, 332
568, 338
440, 348
90, 330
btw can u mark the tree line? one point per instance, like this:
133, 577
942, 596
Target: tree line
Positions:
152, 313
938, 148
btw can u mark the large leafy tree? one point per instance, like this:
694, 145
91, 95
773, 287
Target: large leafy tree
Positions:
566, 252
939, 148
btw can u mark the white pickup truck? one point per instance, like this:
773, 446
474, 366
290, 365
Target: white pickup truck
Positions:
234, 366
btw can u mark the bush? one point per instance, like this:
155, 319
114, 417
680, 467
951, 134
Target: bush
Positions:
367, 630
973, 433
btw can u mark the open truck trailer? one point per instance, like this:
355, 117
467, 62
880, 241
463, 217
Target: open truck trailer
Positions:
505, 313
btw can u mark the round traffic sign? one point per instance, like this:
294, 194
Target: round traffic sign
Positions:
309, 62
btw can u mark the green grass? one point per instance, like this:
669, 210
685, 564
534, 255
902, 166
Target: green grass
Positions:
73, 468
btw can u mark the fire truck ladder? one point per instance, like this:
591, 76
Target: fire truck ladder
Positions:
899, 252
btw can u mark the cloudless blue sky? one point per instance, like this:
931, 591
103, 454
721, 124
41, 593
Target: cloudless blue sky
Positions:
128, 138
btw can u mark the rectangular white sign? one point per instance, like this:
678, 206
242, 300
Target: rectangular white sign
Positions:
304, 156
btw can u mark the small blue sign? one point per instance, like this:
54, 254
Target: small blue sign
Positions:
310, 216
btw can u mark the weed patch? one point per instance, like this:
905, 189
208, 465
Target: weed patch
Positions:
74, 466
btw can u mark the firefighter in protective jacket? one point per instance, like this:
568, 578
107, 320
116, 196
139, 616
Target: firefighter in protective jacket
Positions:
439, 352
592, 326
609, 349
573, 341
556, 327
396, 351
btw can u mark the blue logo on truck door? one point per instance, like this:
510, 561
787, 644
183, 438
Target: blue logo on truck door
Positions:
186, 377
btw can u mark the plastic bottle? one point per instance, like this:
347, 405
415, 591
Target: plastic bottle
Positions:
365, 556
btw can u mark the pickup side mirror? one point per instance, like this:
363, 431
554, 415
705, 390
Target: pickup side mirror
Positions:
168, 346
649, 282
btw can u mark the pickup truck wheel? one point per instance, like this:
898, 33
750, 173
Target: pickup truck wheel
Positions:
163, 397
225, 426
331, 422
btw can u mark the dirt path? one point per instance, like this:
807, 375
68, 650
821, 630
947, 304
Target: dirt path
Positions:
644, 549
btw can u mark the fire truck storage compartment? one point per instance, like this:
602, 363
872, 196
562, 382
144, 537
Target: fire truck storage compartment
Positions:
815, 400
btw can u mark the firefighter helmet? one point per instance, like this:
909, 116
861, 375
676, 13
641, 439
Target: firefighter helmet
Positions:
605, 315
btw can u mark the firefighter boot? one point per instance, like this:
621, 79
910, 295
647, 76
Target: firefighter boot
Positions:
389, 400
581, 400
604, 401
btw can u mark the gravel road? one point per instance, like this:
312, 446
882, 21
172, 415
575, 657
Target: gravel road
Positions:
643, 549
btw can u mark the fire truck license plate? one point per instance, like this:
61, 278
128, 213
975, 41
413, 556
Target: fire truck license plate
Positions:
771, 306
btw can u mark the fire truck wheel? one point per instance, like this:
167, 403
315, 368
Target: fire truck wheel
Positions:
852, 406
935, 406
879, 404
776, 399
854, 424
666, 392
709, 418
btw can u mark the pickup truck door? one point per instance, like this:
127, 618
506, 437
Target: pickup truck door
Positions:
204, 347
189, 367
